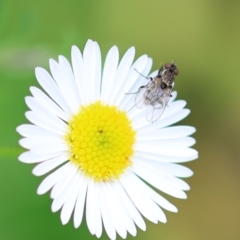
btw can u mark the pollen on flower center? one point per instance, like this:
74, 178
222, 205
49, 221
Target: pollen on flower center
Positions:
101, 140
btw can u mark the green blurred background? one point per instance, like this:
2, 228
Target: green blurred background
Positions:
202, 37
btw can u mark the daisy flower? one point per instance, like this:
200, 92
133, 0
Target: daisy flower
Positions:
99, 153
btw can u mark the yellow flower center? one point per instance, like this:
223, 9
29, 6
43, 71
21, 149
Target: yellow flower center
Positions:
101, 140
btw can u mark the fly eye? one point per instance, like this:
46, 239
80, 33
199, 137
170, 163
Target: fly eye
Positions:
176, 72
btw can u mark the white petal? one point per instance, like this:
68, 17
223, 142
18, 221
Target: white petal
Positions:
128, 102
70, 202
79, 209
121, 74
32, 142
166, 143
64, 181
106, 217
98, 219
65, 87
98, 72
138, 118
121, 210
89, 62
158, 182
78, 70
167, 168
162, 202
162, 176
165, 122
41, 111
51, 179
166, 133
29, 130
60, 199
30, 157
109, 71
117, 211
48, 104
90, 207
130, 79
49, 85
46, 148
167, 151
157, 210
135, 215
172, 108
144, 204
162, 158
49, 165
47, 122
68, 76
173, 97
115, 216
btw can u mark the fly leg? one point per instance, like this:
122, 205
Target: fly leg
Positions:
137, 91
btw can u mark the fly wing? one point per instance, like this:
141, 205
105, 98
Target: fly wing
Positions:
153, 114
158, 106
158, 99
139, 99
144, 96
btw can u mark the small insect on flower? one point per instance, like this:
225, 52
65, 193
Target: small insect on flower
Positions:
157, 92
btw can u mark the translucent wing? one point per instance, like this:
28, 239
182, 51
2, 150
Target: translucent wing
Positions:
144, 95
158, 107
141, 97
